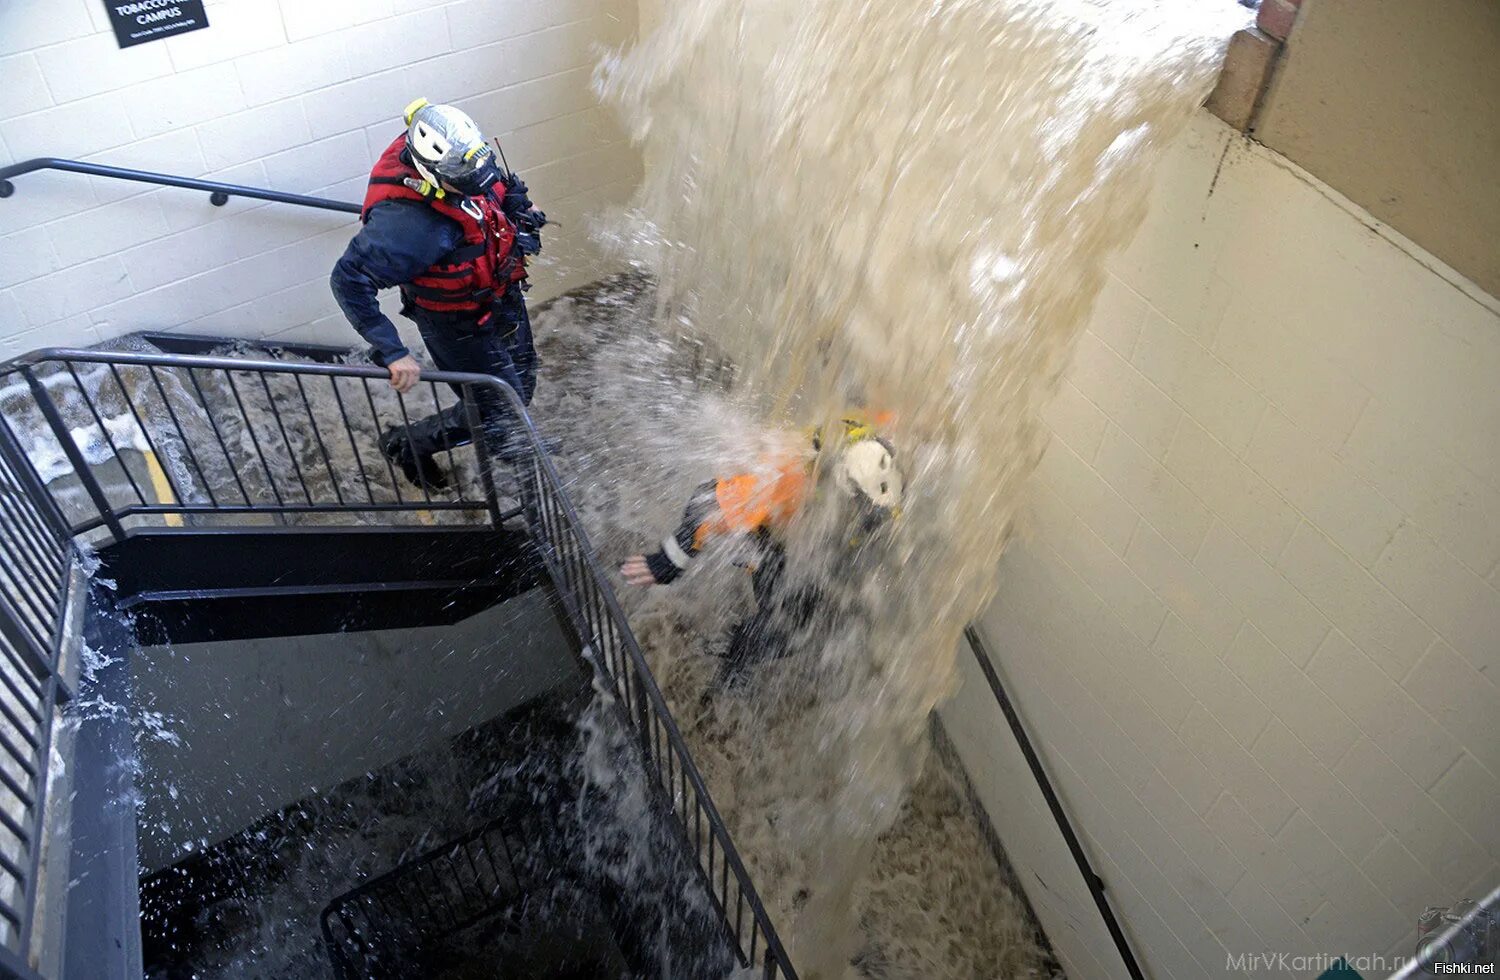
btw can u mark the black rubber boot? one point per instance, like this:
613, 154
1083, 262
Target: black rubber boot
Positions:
420, 469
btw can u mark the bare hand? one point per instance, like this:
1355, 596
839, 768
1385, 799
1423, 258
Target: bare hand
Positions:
405, 373
636, 571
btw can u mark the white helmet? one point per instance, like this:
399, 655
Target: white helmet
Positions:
448, 149
867, 468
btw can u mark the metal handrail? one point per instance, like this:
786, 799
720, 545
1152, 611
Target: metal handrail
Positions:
36, 571
357, 926
107, 513
1091, 878
219, 192
571, 560
563, 545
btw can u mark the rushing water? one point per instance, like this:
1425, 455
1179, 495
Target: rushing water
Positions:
933, 902
900, 205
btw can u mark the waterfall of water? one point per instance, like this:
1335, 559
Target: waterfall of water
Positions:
903, 205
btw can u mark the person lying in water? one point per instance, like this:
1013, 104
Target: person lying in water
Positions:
758, 506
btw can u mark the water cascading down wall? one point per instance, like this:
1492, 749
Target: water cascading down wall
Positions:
1249, 613
907, 209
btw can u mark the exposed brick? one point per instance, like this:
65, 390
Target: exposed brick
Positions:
1247, 69
1276, 17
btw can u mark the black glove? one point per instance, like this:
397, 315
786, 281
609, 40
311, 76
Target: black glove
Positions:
529, 231
662, 568
514, 202
529, 242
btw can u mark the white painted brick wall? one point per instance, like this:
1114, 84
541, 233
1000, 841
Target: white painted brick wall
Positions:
1256, 627
293, 95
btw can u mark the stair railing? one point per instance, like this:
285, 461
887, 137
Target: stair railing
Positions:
591, 603
102, 441
224, 440
36, 572
219, 192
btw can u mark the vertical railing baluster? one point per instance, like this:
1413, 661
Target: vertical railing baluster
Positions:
140, 424
375, 420
724, 889
440, 891
281, 427
28, 515
698, 825
312, 423
484, 452
187, 444
359, 461
81, 468
254, 439
104, 430
489, 858
412, 447
443, 431
213, 424
28, 523
35, 597
739, 919
478, 878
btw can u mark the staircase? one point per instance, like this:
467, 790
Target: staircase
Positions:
223, 498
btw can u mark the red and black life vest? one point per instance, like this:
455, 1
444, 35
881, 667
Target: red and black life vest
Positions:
467, 279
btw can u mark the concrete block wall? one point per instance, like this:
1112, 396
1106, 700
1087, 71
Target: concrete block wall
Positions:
1255, 626
295, 95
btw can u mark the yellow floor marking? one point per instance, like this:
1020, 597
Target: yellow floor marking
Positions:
162, 487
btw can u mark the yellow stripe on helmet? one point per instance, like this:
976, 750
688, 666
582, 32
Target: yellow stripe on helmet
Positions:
855, 430
411, 109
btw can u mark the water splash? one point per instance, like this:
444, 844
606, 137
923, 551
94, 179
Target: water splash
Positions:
908, 206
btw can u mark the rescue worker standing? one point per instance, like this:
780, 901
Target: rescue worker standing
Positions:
758, 506
445, 225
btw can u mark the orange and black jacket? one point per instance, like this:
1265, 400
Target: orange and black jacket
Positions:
757, 504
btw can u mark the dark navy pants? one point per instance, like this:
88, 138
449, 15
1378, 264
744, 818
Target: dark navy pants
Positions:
781, 611
502, 348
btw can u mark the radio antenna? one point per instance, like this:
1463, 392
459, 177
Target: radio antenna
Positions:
503, 162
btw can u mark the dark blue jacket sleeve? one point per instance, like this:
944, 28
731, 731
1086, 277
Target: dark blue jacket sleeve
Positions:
399, 242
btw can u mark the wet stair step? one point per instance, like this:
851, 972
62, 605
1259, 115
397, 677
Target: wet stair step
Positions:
195, 584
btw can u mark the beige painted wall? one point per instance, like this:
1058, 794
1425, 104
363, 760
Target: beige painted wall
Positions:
1252, 628
1397, 105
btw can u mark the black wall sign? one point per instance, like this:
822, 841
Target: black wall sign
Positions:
139, 21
